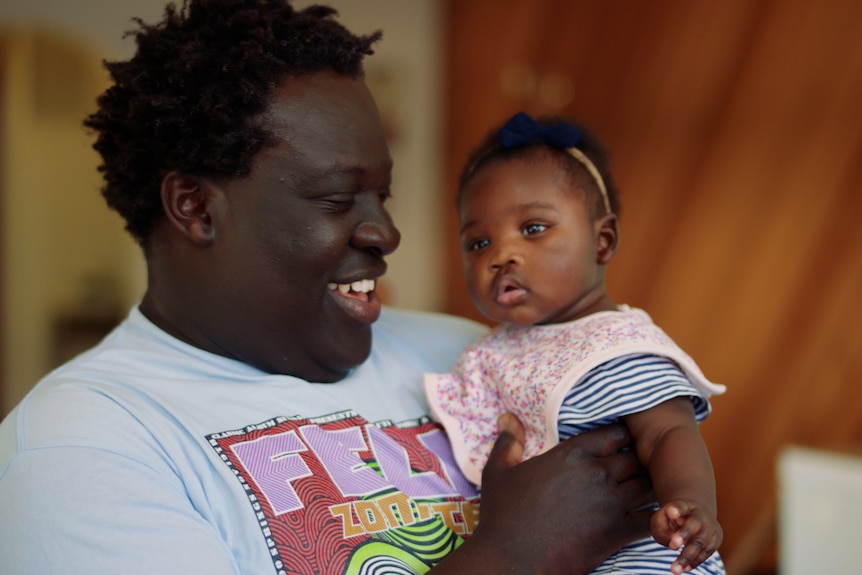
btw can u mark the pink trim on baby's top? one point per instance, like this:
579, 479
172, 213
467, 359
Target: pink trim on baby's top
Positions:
519, 362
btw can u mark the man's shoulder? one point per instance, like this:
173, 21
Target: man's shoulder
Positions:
398, 315
433, 339
429, 325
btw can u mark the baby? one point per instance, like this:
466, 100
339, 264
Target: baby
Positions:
538, 226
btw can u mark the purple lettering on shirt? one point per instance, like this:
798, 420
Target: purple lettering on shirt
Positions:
337, 450
435, 441
395, 463
272, 462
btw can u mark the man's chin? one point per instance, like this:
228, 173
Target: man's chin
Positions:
345, 355
362, 308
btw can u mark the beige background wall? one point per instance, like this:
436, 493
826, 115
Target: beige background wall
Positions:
735, 134
65, 256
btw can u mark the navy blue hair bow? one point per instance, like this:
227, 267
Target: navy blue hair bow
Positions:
521, 129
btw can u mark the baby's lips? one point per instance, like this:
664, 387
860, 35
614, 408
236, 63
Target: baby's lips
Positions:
510, 292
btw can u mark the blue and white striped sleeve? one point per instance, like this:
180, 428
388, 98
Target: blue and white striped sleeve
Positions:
625, 385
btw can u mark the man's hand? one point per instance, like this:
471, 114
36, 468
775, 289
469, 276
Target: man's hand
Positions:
564, 511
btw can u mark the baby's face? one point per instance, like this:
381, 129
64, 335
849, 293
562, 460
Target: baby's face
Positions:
529, 244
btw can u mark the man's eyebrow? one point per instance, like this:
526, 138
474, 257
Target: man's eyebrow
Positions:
347, 168
338, 169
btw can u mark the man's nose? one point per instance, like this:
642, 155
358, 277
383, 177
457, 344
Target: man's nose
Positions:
377, 233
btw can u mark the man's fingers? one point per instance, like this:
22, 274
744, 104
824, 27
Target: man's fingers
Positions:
509, 422
639, 493
637, 524
508, 450
604, 440
624, 466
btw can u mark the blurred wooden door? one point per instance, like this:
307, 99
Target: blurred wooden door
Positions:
735, 130
3, 408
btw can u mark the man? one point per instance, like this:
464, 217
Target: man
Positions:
259, 412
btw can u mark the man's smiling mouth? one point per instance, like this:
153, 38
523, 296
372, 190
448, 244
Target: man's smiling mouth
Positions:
358, 299
358, 289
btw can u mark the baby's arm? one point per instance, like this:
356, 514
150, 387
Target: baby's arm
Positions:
670, 446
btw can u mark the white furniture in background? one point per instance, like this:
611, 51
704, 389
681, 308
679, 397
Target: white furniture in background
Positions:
819, 512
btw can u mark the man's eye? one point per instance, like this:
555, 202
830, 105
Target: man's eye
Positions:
531, 229
477, 245
339, 203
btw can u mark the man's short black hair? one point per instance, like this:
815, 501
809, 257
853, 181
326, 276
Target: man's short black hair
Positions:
188, 99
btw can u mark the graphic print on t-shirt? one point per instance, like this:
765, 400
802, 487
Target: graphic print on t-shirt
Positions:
336, 494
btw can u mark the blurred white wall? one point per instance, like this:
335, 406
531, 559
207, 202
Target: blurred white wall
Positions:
65, 253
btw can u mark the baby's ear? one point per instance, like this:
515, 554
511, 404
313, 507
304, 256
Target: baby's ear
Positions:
188, 202
608, 238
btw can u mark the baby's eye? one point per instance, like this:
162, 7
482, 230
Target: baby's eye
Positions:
531, 229
477, 244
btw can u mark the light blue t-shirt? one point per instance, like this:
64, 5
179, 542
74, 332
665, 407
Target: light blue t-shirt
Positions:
148, 455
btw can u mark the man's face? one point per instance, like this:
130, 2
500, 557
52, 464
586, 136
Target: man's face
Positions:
302, 239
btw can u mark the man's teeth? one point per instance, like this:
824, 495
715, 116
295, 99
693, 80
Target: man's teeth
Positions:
361, 286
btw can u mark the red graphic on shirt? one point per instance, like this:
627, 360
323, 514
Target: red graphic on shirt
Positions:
336, 494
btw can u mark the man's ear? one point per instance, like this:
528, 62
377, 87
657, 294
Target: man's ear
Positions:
608, 238
188, 202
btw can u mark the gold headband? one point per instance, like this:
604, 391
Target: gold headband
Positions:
594, 172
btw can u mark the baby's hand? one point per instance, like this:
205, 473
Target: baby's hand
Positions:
681, 523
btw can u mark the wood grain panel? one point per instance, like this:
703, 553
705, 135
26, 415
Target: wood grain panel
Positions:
736, 138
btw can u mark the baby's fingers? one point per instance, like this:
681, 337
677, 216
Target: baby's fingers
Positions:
667, 522
693, 525
677, 510
692, 555
701, 539
661, 527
